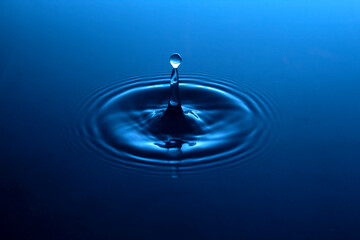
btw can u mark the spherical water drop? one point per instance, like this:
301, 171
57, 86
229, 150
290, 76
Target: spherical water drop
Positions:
175, 60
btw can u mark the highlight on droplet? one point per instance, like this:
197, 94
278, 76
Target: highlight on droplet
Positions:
175, 60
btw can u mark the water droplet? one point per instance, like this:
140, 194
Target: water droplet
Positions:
175, 60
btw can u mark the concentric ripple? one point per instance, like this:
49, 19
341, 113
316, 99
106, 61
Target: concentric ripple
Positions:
118, 123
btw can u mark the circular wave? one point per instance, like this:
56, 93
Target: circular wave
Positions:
120, 123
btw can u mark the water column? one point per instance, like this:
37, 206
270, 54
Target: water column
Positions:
174, 98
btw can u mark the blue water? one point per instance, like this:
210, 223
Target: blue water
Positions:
63, 65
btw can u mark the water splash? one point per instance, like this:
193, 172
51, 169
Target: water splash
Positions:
134, 125
174, 121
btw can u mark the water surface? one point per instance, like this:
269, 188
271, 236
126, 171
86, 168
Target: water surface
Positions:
300, 59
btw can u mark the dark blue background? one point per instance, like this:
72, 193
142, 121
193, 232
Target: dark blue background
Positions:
304, 55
